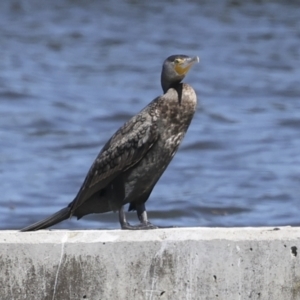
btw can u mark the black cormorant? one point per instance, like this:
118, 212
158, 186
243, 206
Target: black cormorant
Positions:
132, 161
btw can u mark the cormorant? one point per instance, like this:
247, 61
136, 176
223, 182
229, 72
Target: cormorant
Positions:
132, 161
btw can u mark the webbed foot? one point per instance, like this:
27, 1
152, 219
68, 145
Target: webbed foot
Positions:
141, 226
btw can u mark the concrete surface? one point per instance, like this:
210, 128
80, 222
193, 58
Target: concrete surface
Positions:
179, 263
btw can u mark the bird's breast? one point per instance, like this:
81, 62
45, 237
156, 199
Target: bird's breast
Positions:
171, 114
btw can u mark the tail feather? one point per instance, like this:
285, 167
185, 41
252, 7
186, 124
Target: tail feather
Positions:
59, 216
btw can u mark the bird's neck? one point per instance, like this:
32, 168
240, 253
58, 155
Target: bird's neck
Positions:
166, 84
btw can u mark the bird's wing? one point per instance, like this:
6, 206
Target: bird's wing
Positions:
126, 148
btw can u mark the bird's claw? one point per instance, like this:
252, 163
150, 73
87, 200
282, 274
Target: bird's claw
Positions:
142, 226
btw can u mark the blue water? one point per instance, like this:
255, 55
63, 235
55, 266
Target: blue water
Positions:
72, 72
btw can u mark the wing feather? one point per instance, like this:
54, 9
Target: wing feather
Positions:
126, 148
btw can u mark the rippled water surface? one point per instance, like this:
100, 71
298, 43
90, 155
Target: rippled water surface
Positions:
71, 72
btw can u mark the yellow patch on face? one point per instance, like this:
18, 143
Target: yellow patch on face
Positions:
183, 65
181, 70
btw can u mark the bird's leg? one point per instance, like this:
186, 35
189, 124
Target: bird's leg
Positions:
122, 218
142, 215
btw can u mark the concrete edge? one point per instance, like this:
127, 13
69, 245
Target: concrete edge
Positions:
170, 234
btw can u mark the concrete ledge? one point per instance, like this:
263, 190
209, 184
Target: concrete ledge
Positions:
180, 263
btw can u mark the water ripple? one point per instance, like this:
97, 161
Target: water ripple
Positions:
73, 72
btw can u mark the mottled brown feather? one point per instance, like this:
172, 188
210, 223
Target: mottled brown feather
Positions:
125, 148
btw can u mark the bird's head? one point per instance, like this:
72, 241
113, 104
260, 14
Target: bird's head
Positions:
174, 69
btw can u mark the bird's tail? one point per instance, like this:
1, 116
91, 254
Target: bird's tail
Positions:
59, 216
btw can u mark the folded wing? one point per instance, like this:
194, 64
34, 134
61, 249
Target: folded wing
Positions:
125, 149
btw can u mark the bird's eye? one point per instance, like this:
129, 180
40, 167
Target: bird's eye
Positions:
176, 60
